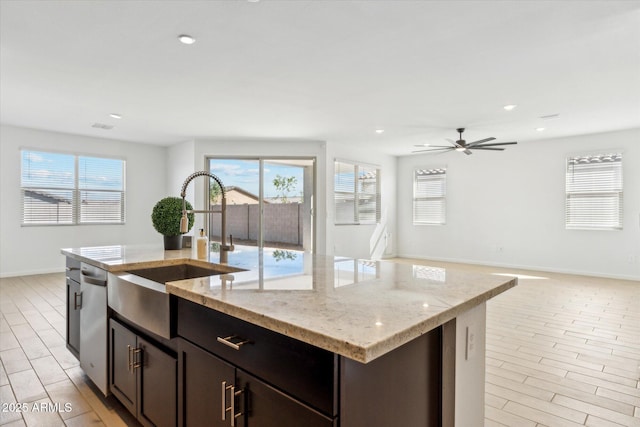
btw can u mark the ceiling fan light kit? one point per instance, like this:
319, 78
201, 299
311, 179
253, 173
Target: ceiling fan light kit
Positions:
464, 147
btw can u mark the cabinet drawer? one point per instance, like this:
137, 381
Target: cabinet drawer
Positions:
265, 406
306, 372
73, 269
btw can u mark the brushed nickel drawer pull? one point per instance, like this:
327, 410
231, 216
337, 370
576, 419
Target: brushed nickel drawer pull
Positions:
225, 387
135, 359
130, 363
234, 345
234, 393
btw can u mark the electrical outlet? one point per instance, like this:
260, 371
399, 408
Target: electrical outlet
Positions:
470, 348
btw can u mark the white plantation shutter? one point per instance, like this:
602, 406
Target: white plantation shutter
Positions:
68, 189
344, 189
594, 192
101, 185
368, 195
47, 184
429, 196
356, 191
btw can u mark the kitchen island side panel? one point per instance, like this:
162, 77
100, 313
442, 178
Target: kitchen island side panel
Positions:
402, 387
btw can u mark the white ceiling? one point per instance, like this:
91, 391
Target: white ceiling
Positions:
321, 70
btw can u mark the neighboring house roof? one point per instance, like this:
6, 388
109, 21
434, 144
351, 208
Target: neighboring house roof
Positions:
48, 198
240, 196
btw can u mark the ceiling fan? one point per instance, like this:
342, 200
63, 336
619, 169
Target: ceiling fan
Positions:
463, 146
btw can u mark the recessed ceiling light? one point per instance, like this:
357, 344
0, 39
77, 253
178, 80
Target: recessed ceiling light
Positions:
379, 130
115, 115
540, 129
509, 107
186, 39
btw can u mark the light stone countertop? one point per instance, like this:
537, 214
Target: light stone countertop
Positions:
356, 308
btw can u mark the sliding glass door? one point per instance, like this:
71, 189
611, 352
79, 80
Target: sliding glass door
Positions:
269, 201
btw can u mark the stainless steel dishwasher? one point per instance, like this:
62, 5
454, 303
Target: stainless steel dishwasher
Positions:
93, 325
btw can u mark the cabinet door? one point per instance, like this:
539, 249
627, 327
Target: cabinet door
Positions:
202, 378
264, 406
74, 300
157, 403
122, 376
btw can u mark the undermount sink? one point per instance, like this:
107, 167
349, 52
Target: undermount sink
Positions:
170, 273
139, 295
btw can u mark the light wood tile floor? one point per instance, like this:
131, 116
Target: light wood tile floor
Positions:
41, 383
562, 350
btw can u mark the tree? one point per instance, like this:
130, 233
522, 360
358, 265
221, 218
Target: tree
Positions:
284, 185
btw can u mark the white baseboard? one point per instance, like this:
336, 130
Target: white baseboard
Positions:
524, 267
30, 272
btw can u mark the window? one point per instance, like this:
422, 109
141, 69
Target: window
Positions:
594, 192
429, 191
69, 189
270, 201
356, 191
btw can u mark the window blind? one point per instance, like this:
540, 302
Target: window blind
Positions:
368, 195
356, 193
69, 189
47, 187
594, 192
101, 185
429, 196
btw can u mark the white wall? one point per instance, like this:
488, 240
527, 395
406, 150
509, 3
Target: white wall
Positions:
507, 209
180, 164
363, 241
262, 148
36, 249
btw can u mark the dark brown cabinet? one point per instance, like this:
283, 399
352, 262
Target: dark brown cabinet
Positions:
230, 369
74, 303
215, 393
202, 377
306, 373
143, 377
265, 406
260, 378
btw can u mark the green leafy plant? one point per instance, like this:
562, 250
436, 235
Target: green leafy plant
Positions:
284, 185
281, 255
166, 216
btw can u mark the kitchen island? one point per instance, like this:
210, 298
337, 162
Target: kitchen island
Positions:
400, 344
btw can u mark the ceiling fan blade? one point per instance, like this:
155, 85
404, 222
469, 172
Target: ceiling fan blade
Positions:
496, 143
487, 148
467, 152
437, 149
480, 141
434, 146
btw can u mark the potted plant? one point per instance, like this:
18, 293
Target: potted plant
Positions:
166, 216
